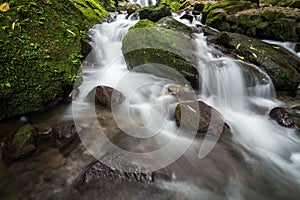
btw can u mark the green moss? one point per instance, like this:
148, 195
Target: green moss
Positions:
40, 52
143, 49
144, 23
19, 144
91, 9
155, 13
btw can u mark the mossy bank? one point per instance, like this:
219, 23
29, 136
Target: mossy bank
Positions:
41, 49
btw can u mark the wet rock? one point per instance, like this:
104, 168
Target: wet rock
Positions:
182, 92
282, 117
281, 66
187, 17
99, 171
164, 48
66, 136
155, 13
107, 96
19, 144
198, 116
132, 8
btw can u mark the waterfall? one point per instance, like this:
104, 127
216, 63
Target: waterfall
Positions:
234, 88
144, 2
224, 86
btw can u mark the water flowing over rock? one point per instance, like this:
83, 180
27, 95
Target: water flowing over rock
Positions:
282, 117
19, 144
281, 66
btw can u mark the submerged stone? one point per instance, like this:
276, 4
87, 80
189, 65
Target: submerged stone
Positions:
19, 144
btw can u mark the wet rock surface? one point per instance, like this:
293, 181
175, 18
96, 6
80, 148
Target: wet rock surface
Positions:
66, 136
19, 144
199, 116
281, 116
106, 96
99, 171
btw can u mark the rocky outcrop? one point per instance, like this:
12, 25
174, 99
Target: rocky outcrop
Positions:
273, 23
164, 46
19, 144
281, 116
281, 66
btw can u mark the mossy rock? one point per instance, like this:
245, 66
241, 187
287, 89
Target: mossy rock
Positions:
144, 23
173, 24
40, 52
20, 144
155, 13
282, 30
282, 67
214, 14
173, 4
146, 48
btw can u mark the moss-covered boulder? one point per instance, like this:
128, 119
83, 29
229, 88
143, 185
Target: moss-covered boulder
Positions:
41, 52
282, 67
146, 48
155, 13
19, 144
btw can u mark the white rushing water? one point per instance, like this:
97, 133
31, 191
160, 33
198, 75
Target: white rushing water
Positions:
223, 85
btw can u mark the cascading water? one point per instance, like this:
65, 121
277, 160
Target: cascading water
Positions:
224, 87
144, 2
225, 84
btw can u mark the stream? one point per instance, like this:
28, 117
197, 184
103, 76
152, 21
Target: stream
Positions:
259, 160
